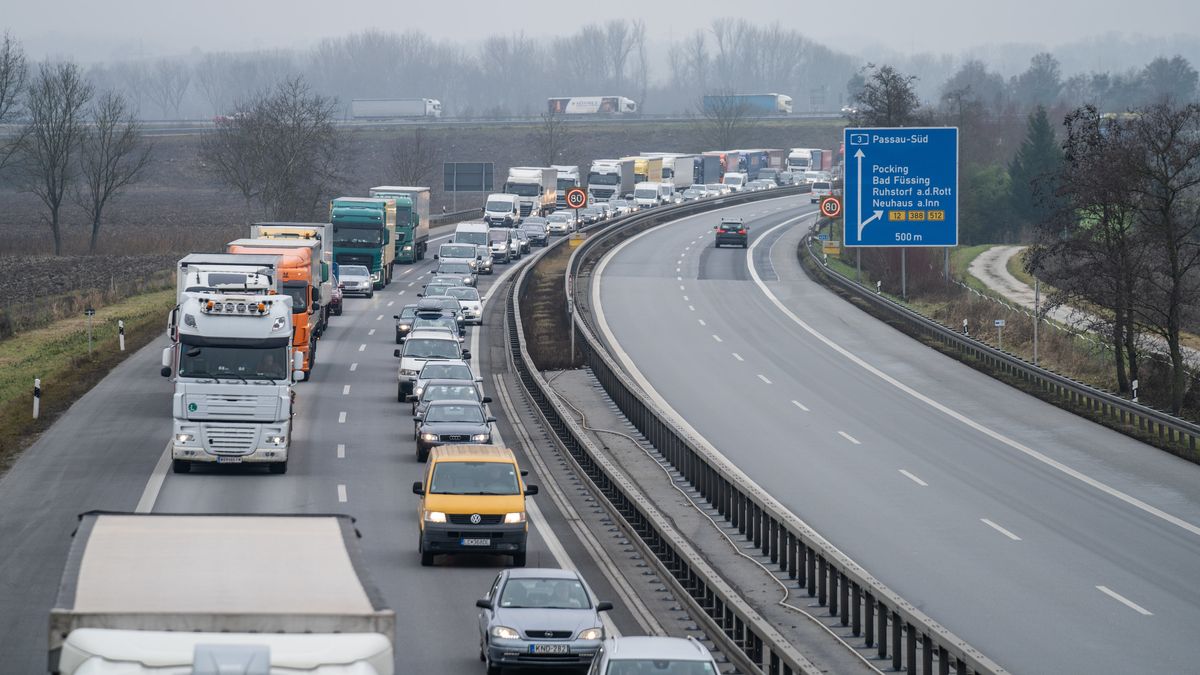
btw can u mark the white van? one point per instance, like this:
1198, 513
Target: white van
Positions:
502, 210
736, 181
821, 188
454, 252
471, 233
647, 195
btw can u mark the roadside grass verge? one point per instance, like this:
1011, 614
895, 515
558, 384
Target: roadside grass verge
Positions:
58, 355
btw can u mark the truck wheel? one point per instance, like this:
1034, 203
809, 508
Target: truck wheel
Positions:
519, 559
181, 466
278, 467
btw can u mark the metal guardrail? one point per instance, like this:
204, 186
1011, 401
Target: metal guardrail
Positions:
873, 612
748, 639
1176, 435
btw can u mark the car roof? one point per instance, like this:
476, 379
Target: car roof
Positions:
472, 453
541, 573
648, 647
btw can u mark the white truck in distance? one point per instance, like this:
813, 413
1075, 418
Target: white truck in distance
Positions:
609, 178
535, 186
649, 195
392, 108
152, 594
233, 366
502, 210
568, 177
800, 160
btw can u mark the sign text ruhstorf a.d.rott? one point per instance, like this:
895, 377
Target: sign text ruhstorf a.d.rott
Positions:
901, 187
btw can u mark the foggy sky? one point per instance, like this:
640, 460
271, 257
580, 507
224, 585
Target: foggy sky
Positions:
93, 30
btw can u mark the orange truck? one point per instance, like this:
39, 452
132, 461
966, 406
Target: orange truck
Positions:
296, 267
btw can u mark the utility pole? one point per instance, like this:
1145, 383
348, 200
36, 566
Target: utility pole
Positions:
1037, 316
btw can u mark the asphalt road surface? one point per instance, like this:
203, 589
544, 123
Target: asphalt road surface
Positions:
106, 452
1050, 543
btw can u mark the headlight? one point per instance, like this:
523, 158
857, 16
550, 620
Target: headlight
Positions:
481, 438
429, 437
435, 517
592, 634
514, 518
277, 440
466, 280
408, 373
417, 392
183, 438
505, 633
405, 326
374, 276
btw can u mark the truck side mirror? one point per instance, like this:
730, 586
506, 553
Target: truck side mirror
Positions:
297, 361
166, 362
165, 371
316, 306
396, 353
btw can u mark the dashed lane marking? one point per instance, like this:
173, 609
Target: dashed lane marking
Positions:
342, 493
738, 356
1124, 601
849, 437
341, 451
763, 378
342, 417
800, 405
999, 529
909, 475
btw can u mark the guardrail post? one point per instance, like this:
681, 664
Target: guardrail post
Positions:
926, 655
869, 619
844, 583
793, 549
910, 649
883, 631
811, 559
833, 591
943, 661
821, 582
897, 635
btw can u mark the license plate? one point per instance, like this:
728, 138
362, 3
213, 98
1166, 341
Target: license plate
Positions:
549, 649
475, 542
229, 460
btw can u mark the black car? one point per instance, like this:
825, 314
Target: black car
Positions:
536, 232
731, 231
451, 422
404, 322
443, 390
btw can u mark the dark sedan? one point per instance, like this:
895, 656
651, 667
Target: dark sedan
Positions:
452, 422
731, 231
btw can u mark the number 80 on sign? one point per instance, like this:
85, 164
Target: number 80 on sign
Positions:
576, 198
831, 207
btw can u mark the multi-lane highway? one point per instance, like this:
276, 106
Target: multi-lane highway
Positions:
353, 453
1050, 543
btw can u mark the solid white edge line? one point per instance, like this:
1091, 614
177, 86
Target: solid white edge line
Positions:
999, 529
995, 435
911, 476
848, 437
154, 485
341, 490
1124, 601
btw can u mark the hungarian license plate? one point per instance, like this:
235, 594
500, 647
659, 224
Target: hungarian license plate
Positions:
475, 542
229, 460
549, 649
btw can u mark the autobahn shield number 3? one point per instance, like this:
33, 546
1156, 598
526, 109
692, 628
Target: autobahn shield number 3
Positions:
576, 198
831, 207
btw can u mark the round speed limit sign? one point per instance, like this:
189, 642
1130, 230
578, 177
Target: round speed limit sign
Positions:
576, 198
831, 207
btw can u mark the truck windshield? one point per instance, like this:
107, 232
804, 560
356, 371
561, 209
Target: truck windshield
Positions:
498, 235
249, 363
499, 206
436, 349
356, 237
474, 478
603, 179
566, 183
299, 295
478, 238
522, 189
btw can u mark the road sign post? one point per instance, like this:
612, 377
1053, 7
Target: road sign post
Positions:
901, 186
1000, 334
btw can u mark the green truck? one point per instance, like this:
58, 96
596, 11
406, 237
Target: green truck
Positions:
412, 219
364, 233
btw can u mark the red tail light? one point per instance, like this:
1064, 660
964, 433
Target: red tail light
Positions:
741, 232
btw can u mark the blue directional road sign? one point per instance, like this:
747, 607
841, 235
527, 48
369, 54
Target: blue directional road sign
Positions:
901, 186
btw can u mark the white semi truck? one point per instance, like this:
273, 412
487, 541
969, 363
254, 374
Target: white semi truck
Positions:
568, 177
609, 178
394, 108
233, 365
535, 186
150, 594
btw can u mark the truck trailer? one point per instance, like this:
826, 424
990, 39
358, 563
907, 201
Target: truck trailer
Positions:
646, 169
754, 104
394, 108
610, 178
143, 594
299, 284
412, 219
364, 232
591, 105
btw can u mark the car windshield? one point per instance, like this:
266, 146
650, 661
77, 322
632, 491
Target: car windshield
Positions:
449, 303
457, 251
408, 312
454, 268
353, 271
474, 478
450, 392
559, 218
453, 412
476, 237
498, 236
536, 228
463, 293
446, 371
544, 594
424, 348
658, 667
497, 206
436, 289
249, 363
820, 185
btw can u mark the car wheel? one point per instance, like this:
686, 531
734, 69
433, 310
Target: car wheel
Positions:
519, 559
422, 454
181, 466
371, 293
278, 467
426, 559
717, 244
493, 670
400, 393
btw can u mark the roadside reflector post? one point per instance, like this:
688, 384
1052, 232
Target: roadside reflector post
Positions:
1000, 334
89, 313
121, 333
965, 331
1134, 383
878, 287
37, 397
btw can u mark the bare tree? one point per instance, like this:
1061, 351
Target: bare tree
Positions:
415, 158
887, 98
168, 83
14, 71
112, 155
213, 80
57, 100
727, 118
550, 137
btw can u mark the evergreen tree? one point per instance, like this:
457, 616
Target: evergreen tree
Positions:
1032, 172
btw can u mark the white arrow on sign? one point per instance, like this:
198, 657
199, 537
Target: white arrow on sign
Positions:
877, 214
